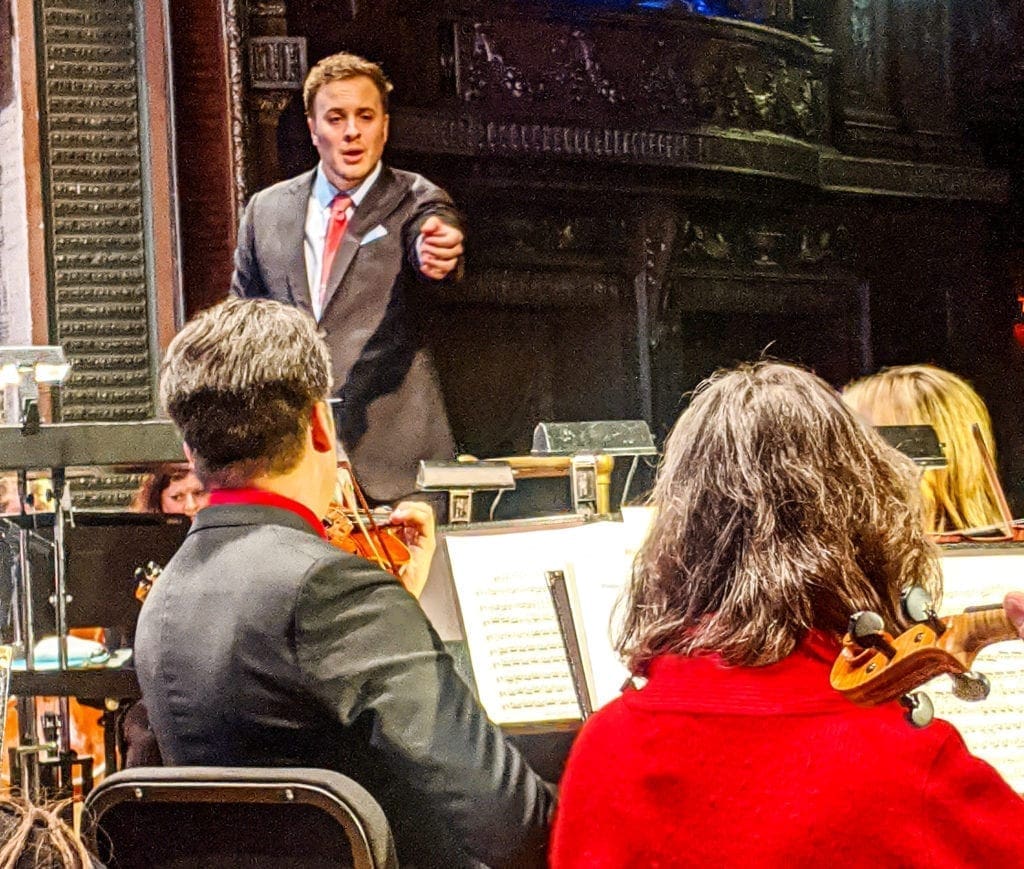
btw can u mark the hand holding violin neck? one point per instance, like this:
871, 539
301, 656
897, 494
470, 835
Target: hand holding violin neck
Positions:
976, 628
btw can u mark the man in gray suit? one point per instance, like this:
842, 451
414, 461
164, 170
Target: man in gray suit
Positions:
355, 243
263, 645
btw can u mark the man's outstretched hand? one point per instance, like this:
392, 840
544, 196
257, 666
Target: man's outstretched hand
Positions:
439, 246
1013, 604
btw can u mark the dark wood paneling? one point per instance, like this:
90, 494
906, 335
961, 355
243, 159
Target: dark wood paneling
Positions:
203, 134
652, 193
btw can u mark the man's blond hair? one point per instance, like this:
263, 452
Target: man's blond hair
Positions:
339, 67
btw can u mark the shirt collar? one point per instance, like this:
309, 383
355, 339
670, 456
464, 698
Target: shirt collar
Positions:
324, 192
263, 498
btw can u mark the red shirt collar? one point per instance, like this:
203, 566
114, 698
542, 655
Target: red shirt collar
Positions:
263, 498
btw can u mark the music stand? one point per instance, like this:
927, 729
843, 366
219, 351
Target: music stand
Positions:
918, 442
104, 551
22, 369
57, 447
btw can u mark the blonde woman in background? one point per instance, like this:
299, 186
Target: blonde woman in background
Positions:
959, 495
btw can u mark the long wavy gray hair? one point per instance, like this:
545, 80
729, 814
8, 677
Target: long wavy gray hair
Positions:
777, 512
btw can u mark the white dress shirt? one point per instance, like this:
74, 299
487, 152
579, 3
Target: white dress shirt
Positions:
318, 213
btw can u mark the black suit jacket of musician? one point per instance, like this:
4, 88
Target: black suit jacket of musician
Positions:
263, 645
392, 412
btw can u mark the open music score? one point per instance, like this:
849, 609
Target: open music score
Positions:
994, 728
511, 627
522, 650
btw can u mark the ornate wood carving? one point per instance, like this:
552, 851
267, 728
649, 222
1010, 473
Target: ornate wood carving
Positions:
536, 289
417, 131
234, 33
657, 231
691, 72
276, 71
277, 62
755, 245
918, 180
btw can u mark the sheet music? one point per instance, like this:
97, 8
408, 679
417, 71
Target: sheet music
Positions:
994, 728
509, 608
600, 574
515, 646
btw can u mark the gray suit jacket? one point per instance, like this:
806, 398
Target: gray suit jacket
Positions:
392, 413
262, 645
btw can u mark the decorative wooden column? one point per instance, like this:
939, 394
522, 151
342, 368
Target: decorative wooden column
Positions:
101, 235
96, 218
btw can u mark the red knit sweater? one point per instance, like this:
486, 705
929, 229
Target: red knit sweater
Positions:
768, 766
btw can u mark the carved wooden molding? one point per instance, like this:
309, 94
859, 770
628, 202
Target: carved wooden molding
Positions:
727, 151
423, 132
277, 62
841, 173
690, 71
234, 24
534, 288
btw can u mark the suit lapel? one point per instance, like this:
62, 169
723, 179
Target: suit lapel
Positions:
292, 228
380, 201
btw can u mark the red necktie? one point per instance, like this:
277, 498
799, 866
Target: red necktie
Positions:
336, 224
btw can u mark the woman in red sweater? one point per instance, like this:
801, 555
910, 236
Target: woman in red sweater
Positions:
778, 515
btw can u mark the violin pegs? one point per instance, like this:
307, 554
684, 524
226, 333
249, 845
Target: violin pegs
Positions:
917, 606
971, 686
867, 629
920, 710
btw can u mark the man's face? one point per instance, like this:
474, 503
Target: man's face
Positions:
349, 129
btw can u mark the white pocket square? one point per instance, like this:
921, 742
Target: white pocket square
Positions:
377, 232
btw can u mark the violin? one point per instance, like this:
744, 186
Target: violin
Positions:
144, 579
874, 667
353, 527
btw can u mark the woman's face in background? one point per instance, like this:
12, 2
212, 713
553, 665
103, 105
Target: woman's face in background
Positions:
185, 495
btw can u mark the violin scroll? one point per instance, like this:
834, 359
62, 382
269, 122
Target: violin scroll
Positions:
144, 578
875, 667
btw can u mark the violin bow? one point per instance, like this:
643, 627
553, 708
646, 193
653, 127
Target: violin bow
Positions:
353, 496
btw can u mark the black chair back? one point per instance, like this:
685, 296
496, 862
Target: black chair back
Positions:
230, 818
